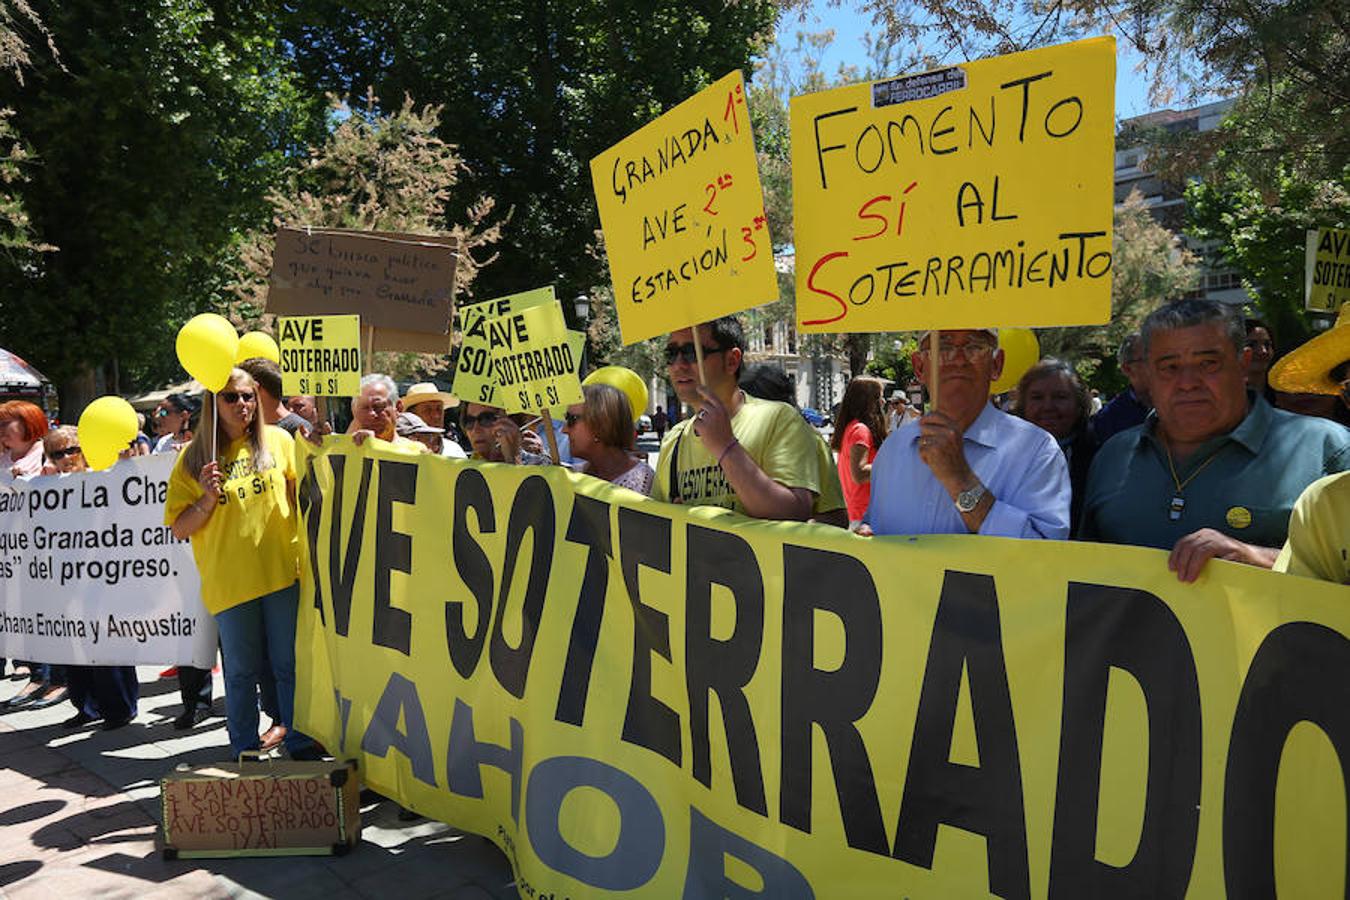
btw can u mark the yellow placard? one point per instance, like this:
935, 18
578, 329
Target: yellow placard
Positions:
534, 359
320, 355
475, 381
683, 216
638, 699
973, 196
1327, 278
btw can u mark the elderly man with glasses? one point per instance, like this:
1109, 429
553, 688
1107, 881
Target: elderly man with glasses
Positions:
755, 456
966, 467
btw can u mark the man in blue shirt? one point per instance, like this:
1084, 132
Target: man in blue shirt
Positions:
966, 467
1131, 406
1215, 470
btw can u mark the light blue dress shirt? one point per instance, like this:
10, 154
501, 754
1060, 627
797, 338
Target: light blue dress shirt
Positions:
1019, 463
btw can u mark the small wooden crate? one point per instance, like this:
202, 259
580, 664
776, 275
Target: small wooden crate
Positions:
262, 808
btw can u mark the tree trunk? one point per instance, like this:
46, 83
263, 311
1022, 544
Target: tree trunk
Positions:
79, 391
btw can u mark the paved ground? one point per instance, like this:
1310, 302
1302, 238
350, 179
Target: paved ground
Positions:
79, 812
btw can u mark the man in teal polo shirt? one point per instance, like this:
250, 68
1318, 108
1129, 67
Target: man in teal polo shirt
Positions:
1214, 471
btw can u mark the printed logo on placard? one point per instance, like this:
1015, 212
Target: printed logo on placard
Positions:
1239, 517
917, 87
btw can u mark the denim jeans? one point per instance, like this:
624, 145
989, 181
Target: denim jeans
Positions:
254, 634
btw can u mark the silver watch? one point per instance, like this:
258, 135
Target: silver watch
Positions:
967, 500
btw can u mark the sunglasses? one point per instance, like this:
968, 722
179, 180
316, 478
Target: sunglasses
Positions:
483, 419
236, 396
572, 419
687, 352
975, 351
58, 455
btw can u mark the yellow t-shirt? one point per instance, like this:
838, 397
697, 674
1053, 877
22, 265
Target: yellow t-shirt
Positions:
831, 496
1319, 539
248, 546
774, 434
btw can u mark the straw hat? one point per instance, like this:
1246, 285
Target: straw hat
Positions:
1307, 370
421, 393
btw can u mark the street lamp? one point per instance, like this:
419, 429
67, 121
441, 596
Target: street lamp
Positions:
582, 304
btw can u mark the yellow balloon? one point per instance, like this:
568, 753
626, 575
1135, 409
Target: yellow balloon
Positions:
206, 346
106, 427
626, 380
1021, 351
257, 343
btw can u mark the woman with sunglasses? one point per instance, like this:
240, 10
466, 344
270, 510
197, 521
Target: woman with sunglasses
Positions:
109, 693
238, 508
497, 437
601, 432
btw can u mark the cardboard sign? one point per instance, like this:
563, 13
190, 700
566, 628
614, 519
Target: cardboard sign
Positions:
535, 359
974, 196
274, 808
475, 380
683, 216
320, 355
402, 283
1327, 276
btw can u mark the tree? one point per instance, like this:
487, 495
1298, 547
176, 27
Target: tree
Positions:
159, 136
532, 91
1261, 233
16, 236
375, 172
1149, 266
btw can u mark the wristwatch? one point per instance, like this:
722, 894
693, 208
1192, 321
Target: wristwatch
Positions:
967, 500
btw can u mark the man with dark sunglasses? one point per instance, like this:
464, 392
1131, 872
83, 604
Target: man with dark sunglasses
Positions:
755, 456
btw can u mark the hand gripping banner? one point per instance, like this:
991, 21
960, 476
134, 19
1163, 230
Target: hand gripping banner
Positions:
628, 696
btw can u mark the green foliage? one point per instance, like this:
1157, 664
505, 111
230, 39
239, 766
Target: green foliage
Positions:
532, 91
374, 172
159, 133
1261, 232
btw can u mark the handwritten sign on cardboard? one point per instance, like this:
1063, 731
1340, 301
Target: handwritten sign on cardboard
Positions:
683, 216
973, 196
403, 283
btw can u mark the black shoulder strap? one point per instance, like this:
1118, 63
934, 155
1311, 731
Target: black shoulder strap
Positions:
675, 468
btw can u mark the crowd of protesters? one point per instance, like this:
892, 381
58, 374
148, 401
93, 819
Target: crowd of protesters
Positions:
1216, 448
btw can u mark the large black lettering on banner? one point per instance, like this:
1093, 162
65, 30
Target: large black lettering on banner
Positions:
645, 541
1301, 673
532, 511
832, 700
474, 568
986, 799
392, 627
589, 527
1132, 632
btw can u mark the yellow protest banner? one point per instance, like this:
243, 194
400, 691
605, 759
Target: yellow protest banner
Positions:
1327, 275
320, 355
534, 359
475, 380
683, 216
972, 196
635, 698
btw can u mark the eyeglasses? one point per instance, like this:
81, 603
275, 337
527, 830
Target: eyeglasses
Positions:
975, 351
687, 352
236, 396
58, 455
572, 419
161, 413
483, 419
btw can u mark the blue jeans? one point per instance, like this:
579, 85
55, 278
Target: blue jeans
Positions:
254, 634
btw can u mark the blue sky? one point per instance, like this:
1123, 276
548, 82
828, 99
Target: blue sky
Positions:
849, 27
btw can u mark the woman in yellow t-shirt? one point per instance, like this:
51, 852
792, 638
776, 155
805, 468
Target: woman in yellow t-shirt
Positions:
239, 511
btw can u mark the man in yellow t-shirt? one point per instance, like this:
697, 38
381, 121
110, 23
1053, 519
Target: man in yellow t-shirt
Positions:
757, 457
1319, 532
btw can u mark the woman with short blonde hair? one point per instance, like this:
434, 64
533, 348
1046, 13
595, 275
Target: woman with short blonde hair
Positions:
601, 432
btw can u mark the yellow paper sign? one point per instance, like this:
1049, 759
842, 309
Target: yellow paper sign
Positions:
474, 378
534, 359
973, 196
683, 216
320, 355
1327, 280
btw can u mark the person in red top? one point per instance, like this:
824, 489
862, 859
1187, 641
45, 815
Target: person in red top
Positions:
858, 432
